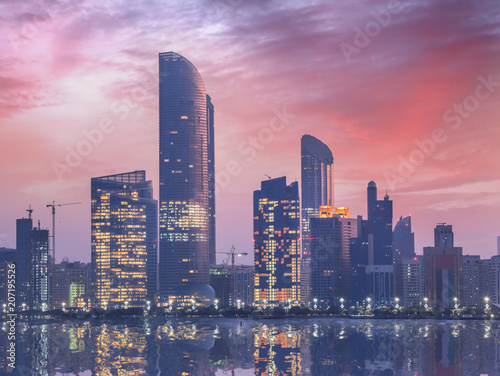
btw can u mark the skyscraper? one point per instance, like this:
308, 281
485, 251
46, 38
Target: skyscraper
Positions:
316, 191
443, 235
39, 268
330, 261
403, 238
124, 237
187, 210
380, 268
404, 254
276, 224
380, 225
23, 261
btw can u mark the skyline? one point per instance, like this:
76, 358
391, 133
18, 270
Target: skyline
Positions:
270, 76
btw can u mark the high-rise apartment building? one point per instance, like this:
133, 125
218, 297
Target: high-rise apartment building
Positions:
403, 253
70, 281
276, 218
187, 188
471, 281
39, 282
23, 261
124, 237
410, 283
330, 261
316, 191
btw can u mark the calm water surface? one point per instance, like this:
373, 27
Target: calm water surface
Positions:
265, 347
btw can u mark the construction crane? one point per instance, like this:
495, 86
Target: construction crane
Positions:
30, 211
231, 254
53, 206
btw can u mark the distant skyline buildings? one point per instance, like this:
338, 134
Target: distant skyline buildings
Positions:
124, 239
187, 196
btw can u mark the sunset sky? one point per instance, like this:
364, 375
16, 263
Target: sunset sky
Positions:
377, 81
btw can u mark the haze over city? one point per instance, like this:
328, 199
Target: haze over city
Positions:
411, 104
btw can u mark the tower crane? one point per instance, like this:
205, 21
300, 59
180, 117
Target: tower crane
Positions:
231, 253
53, 206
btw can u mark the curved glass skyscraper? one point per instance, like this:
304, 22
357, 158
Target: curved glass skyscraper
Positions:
186, 195
317, 190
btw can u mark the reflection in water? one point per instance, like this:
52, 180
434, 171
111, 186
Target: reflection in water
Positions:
267, 347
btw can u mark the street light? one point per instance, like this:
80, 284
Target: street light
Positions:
148, 305
216, 301
369, 300
193, 304
24, 306
397, 302
455, 299
315, 303
63, 305
486, 301
238, 303
425, 303
342, 303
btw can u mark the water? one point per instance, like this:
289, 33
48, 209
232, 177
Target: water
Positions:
266, 347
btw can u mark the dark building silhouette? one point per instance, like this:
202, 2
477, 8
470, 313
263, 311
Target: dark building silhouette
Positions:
316, 191
404, 238
276, 242
187, 189
124, 239
358, 253
221, 282
23, 261
380, 225
403, 253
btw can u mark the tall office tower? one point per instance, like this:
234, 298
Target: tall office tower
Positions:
124, 234
498, 245
358, 254
443, 275
380, 268
276, 230
380, 225
403, 252
186, 238
39, 268
330, 261
23, 261
471, 293
211, 179
443, 235
316, 191
403, 238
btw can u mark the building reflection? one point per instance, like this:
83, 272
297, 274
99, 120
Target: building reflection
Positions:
273, 347
277, 351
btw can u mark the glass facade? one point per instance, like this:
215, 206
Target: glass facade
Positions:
187, 199
124, 236
317, 190
276, 243
23, 261
39, 268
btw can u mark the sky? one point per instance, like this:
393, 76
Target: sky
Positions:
405, 93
